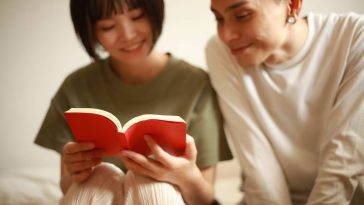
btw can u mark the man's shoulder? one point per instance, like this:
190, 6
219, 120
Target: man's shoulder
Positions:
213, 43
338, 20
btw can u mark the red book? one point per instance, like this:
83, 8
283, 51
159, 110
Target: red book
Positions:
105, 130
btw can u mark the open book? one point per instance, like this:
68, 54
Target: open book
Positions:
105, 130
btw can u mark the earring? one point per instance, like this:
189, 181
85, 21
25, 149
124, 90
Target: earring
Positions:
292, 16
291, 19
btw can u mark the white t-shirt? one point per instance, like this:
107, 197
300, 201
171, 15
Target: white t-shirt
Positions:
298, 128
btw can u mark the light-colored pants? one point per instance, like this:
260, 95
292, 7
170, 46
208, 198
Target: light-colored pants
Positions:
108, 185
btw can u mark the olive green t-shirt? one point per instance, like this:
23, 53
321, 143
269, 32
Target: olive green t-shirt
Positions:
180, 89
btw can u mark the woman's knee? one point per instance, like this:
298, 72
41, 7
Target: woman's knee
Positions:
104, 174
143, 190
103, 187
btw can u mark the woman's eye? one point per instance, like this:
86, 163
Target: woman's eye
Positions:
106, 24
107, 28
138, 17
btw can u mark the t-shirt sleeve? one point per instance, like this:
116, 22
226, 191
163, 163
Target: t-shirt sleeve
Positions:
342, 150
54, 131
206, 127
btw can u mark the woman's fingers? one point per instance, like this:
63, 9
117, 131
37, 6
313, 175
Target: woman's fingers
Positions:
142, 165
160, 155
81, 176
75, 152
135, 167
191, 151
74, 147
140, 160
164, 167
82, 165
80, 158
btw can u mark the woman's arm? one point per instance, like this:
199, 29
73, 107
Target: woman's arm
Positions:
198, 189
65, 180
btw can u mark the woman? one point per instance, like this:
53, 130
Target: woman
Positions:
291, 91
135, 79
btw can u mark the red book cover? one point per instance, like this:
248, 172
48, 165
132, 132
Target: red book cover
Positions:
105, 130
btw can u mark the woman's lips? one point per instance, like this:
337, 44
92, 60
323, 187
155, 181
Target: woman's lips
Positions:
133, 47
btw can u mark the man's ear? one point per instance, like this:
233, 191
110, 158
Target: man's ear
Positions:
296, 6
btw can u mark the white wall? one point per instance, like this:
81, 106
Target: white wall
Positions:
38, 49
338, 6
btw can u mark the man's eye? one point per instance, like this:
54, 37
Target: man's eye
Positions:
219, 19
242, 17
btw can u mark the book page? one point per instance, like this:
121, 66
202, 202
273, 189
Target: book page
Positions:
139, 118
104, 113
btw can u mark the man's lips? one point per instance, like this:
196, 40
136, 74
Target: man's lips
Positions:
238, 49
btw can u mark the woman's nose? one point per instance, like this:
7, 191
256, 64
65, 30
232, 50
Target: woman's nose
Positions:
126, 29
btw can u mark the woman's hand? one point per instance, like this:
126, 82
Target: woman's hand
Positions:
173, 169
181, 171
78, 160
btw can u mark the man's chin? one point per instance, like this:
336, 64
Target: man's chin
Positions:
244, 63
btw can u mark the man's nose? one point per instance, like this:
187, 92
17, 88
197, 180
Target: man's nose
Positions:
228, 33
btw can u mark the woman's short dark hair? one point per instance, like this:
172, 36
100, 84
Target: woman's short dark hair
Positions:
85, 14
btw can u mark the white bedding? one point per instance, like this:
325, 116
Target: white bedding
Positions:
39, 185
30, 186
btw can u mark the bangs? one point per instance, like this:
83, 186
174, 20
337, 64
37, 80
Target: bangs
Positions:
86, 13
106, 8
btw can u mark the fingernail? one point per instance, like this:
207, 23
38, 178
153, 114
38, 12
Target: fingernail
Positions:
124, 153
91, 145
148, 139
121, 153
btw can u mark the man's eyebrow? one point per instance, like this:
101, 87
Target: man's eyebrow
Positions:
231, 7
